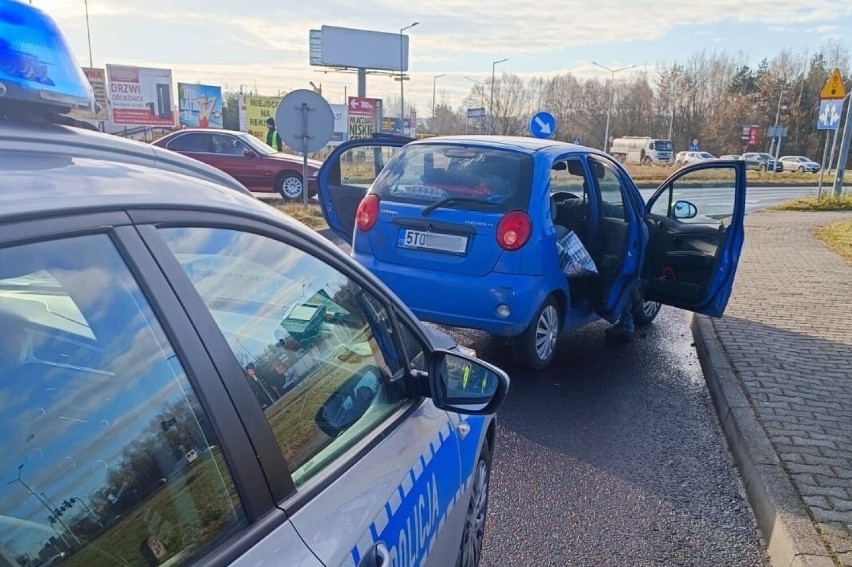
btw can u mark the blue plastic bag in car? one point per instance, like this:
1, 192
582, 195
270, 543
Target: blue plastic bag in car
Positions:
574, 259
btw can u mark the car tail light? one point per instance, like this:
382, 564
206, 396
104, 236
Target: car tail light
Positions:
368, 212
514, 230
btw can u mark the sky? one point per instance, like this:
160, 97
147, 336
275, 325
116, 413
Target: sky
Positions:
262, 45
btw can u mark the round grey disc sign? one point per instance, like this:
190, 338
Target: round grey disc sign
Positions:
304, 120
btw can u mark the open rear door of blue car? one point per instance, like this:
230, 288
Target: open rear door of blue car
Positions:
346, 176
695, 223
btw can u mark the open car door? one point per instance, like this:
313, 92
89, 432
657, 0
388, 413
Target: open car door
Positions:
346, 176
695, 224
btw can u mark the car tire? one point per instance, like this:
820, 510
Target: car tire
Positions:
534, 348
763, 167
289, 185
473, 535
801, 169
646, 312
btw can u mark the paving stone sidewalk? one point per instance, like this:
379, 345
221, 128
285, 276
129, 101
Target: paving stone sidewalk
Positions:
787, 335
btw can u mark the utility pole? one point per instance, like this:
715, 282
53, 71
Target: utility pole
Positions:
491, 107
611, 97
402, 79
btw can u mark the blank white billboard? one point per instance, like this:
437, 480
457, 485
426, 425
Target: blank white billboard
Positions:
347, 47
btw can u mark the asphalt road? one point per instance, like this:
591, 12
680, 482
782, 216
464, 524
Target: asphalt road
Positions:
614, 456
757, 198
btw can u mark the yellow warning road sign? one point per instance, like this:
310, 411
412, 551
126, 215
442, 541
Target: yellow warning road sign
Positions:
833, 87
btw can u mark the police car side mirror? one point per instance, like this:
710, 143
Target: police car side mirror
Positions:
463, 384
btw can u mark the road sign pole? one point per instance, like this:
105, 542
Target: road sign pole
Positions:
843, 156
304, 109
834, 139
822, 169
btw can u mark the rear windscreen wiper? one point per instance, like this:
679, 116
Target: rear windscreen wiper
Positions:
446, 201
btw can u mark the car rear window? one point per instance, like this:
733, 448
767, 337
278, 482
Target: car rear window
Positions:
476, 178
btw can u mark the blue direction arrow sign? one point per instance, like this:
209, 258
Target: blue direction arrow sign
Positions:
542, 125
829, 114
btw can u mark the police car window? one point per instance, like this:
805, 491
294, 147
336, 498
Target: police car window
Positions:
108, 456
190, 142
316, 349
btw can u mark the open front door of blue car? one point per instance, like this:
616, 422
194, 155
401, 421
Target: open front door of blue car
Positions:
695, 224
346, 176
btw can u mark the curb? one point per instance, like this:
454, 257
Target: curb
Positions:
790, 535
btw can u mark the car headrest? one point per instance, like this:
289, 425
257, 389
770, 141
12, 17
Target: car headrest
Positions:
575, 167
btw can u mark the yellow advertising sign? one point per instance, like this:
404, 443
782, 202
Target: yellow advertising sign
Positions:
833, 88
254, 111
97, 78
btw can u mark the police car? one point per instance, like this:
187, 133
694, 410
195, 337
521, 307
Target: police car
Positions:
189, 377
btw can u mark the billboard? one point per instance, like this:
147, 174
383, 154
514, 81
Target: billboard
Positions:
254, 111
199, 106
341, 124
140, 96
97, 78
346, 47
365, 114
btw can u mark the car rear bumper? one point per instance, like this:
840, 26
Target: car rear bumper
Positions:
463, 300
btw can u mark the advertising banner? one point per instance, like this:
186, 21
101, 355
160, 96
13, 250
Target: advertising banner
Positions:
365, 115
254, 111
140, 96
97, 78
341, 124
199, 106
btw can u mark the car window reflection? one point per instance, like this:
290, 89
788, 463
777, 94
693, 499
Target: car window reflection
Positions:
317, 350
108, 456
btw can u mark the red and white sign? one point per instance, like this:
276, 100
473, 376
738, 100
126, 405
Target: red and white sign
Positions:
360, 106
140, 96
364, 116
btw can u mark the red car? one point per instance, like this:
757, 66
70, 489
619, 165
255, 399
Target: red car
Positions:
247, 159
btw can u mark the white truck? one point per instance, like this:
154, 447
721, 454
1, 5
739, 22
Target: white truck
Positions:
642, 150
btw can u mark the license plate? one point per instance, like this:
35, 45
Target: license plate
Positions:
432, 241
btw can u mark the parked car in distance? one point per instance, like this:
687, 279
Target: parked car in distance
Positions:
750, 163
688, 158
767, 161
484, 219
195, 378
247, 159
801, 164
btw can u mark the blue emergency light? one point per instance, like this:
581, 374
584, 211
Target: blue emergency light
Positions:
36, 65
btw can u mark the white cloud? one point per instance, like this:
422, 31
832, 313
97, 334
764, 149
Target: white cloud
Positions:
267, 45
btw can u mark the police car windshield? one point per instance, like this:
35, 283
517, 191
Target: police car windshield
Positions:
256, 145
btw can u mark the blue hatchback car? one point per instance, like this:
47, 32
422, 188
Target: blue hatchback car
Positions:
465, 230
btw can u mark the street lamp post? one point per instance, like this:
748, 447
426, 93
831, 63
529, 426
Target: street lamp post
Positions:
88, 32
402, 78
611, 96
491, 106
47, 506
434, 81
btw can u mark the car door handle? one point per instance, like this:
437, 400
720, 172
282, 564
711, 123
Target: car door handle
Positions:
376, 556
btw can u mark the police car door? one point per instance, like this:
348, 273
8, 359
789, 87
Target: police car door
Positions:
396, 504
